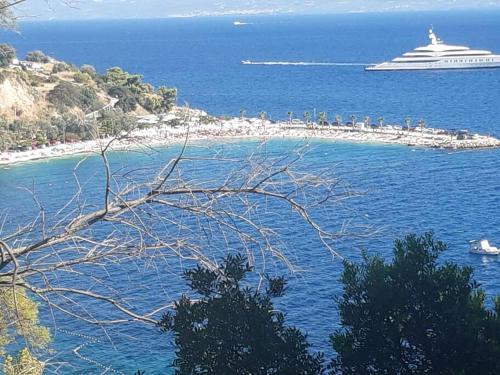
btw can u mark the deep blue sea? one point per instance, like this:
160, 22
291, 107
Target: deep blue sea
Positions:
455, 194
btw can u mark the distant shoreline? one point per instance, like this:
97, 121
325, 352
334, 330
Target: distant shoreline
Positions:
162, 134
41, 18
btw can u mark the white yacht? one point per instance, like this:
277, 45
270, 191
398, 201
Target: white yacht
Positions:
438, 55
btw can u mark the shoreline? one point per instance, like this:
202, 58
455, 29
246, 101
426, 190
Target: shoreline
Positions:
160, 133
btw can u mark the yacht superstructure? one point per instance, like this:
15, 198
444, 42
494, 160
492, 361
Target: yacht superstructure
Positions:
438, 55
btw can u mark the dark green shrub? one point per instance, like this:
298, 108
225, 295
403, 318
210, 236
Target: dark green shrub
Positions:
414, 316
7, 54
37, 56
235, 330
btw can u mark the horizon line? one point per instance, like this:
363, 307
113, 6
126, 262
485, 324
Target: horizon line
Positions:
271, 14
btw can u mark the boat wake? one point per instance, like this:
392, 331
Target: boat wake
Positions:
300, 63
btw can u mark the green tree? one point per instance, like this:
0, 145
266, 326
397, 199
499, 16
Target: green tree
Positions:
151, 102
168, 97
37, 56
61, 67
80, 77
322, 118
67, 95
234, 329
413, 316
262, 117
89, 69
7, 54
381, 121
114, 123
338, 119
116, 76
24, 364
307, 117
19, 325
127, 99
353, 120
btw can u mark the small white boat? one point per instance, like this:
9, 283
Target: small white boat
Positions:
238, 23
483, 247
246, 62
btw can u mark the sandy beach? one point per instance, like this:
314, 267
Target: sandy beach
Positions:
159, 132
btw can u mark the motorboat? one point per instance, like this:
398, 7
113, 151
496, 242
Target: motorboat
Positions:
438, 55
483, 247
246, 62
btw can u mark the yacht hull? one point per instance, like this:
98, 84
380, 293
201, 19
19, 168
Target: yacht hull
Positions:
433, 66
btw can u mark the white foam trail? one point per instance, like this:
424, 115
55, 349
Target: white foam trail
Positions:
300, 63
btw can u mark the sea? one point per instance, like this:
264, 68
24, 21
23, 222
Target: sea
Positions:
311, 63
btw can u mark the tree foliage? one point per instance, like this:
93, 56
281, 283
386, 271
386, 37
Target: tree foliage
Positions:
37, 56
19, 325
61, 67
81, 77
89, 69
132, 92
127, 99
412, 316
7, 54
168, 98
66, 96
234, 329
116, 122
23, 364
19, 319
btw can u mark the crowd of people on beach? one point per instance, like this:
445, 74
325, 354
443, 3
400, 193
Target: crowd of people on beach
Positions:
160, 130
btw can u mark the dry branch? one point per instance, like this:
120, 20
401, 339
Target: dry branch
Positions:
172, 215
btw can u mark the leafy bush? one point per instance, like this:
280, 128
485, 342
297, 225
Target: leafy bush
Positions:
128, 100
70, 128
7, 54
80, 77
116, 77
234, 329
116, 122
37, 56
131, 91
66, 95
168, 96
60, 67
89, 69
412, 316
52, 79
24, 363
151, 103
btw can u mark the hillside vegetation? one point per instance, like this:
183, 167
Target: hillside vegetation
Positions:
44, 101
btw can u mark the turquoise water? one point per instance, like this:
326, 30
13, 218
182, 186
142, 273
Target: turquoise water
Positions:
455, 194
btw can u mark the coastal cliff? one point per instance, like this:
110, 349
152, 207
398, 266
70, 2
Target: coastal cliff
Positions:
17, 97
47, 102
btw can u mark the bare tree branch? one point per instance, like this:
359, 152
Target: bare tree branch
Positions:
69, 258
